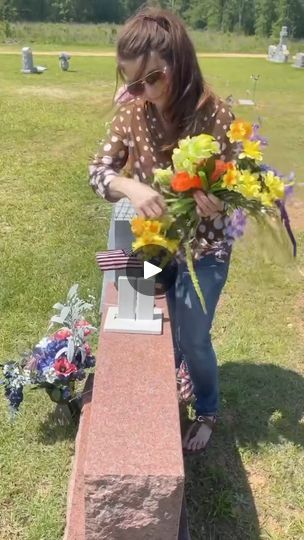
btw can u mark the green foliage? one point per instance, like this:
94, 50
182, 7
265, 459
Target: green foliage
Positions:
263, 17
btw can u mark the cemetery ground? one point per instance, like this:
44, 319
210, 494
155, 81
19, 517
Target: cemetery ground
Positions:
250, 484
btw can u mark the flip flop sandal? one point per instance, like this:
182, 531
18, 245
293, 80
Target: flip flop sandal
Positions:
196, 425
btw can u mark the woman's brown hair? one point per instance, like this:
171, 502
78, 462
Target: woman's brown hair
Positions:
153, 29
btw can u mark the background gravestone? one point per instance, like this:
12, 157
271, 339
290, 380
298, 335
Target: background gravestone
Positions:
28, 64
299, 62
27, 60
279, 53
64, 61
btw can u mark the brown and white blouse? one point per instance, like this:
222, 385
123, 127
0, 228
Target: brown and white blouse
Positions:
134, 147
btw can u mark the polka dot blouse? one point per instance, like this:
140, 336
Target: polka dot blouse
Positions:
134, 147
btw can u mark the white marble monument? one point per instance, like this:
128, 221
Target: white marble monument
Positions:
279, 53
135, 312
120, 237
299, 61
28, 63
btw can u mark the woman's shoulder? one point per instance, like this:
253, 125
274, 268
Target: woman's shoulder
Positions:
215, 113
126, 112
130, 106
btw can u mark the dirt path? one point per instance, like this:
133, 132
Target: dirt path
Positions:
112, 54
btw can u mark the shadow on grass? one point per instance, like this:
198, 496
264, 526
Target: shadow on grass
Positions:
62, 423
57, 426
260, 403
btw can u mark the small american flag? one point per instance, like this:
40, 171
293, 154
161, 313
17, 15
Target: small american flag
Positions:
117, 259
185, 383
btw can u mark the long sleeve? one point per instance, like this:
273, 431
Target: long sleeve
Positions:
111, 156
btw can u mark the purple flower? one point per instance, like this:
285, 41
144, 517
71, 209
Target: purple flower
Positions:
288, 191
236, 226
267, 168
257, 137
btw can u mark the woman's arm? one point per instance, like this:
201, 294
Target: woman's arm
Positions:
108, 182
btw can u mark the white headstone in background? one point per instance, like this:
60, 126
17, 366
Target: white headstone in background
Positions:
28, 63
27, 60
299, 62
279, 53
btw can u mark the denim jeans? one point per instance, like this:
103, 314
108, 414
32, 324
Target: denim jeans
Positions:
191, 327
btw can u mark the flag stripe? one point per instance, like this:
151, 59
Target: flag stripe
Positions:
117, 259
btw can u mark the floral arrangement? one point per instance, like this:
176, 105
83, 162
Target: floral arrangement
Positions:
58, 361
247, 186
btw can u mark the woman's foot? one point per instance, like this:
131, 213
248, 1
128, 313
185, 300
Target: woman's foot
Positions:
198, 435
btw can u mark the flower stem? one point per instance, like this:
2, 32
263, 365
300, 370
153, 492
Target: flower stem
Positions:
189, 261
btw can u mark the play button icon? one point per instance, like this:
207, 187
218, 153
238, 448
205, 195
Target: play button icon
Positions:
150, 270
151, 261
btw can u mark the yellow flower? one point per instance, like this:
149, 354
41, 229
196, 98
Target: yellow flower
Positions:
239, 131
138, 225
266, 199
231, 177
150, 239
252, 150
146, 239
275, 185
248, 185
153, 226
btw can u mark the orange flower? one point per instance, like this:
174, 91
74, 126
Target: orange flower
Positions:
231, 177
220, 168
153, 226
182, 181
138, 225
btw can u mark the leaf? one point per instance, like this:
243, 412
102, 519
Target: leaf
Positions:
64, 313
56, 319
58, 306
71, 349
204, 180
210, 166
73, 291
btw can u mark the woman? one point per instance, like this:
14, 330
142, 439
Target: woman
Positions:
171, 100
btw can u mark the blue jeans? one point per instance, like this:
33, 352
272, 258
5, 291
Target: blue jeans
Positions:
191, 327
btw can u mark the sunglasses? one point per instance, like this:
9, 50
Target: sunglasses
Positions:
137, 88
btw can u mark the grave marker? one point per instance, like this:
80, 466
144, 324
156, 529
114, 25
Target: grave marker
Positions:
279, 53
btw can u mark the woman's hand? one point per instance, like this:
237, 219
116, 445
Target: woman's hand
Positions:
208, 205
146, 201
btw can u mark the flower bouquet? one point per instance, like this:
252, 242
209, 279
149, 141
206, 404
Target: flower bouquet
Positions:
58, 361
245, 185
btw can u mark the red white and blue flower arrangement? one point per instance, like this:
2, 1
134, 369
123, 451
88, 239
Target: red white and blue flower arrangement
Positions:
58, 361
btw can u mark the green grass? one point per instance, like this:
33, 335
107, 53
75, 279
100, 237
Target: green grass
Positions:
250, 484
50, 36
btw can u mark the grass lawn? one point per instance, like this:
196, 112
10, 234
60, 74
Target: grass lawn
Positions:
250, 484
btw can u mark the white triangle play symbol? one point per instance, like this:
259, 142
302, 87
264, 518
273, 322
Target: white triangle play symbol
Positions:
150, 270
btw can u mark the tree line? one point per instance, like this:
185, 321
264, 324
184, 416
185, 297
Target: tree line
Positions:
261, 17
